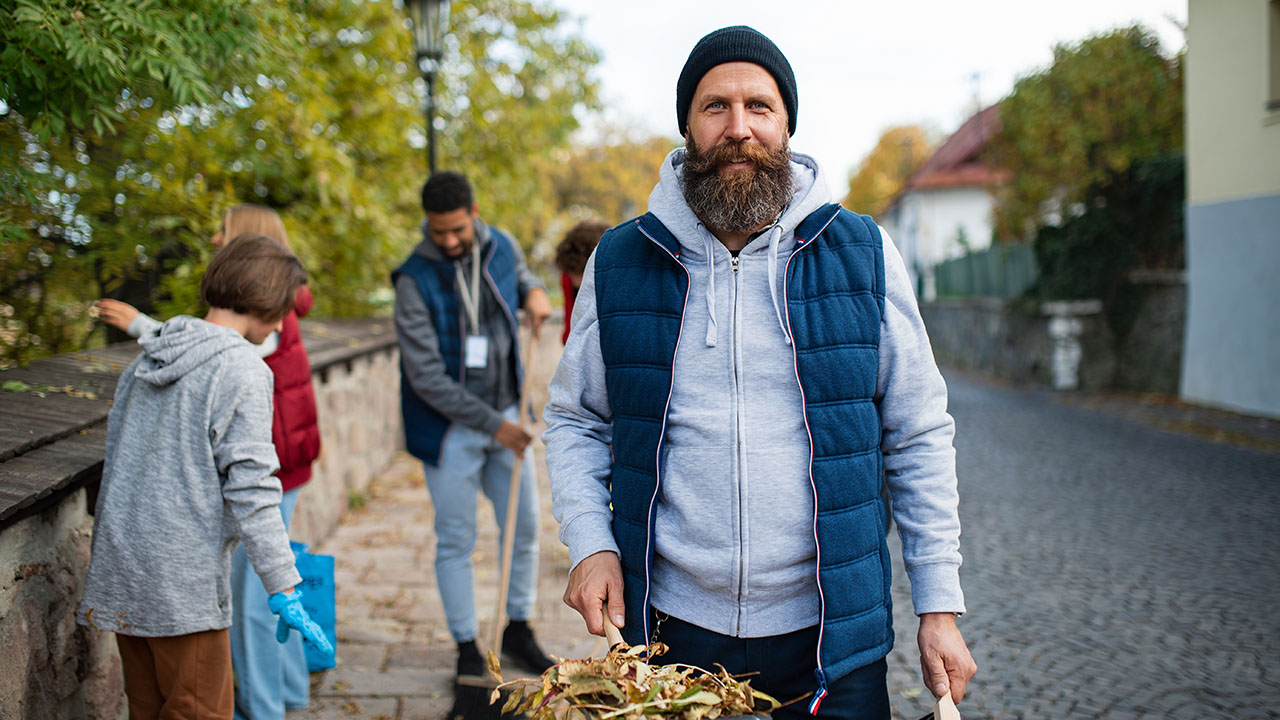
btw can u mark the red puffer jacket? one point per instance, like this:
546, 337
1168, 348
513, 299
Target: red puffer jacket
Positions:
294, 430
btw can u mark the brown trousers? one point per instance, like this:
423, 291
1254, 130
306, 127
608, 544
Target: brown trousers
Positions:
185, 677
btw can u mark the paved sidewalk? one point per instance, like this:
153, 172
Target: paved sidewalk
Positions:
395, 655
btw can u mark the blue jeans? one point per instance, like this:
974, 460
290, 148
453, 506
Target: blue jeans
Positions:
785, 664
270, 677
472, 461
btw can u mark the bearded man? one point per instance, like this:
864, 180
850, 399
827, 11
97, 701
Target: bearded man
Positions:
746, 363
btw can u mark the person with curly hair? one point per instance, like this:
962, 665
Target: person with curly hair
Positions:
571, 258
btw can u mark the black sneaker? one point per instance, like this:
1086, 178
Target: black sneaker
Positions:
470, 661
519, 644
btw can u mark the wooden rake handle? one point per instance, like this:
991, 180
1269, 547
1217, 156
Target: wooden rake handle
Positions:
513, 501
611, 633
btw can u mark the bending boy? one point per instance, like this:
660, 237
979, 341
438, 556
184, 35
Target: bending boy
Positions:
188, 473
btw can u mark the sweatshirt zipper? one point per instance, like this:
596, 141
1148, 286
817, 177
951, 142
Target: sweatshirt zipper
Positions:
735, 350
662, 433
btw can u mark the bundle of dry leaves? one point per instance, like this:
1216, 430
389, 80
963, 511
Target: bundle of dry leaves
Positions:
624, 685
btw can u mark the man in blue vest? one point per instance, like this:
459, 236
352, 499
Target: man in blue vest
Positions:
455, 316
746, 362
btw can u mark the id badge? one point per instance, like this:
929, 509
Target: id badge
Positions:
477, 351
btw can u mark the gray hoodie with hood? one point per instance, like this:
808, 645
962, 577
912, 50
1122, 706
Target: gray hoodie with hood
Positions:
734, 536
188, 474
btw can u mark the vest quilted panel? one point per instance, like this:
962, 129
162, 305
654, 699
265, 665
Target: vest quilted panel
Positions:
424, 427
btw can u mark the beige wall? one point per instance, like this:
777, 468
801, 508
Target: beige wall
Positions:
1233, 142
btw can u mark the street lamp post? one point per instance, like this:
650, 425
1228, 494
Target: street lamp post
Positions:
430, 23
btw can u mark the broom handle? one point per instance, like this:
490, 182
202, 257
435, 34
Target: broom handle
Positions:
513, 502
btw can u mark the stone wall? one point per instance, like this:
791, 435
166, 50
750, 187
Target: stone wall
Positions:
358, 402
1049, 343
55, 669
1013, 341
1150, 358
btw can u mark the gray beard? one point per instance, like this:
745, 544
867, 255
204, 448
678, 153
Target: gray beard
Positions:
741, 202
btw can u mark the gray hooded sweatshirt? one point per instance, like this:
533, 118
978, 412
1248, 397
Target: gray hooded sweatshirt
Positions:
734, 548
188, 474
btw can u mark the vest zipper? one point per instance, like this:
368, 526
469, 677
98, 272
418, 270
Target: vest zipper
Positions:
817, 572
657, 463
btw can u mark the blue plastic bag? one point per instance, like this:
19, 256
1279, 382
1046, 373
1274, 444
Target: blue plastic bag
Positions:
319, 601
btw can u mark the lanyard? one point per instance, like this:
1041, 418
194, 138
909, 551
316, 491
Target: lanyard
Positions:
471, 295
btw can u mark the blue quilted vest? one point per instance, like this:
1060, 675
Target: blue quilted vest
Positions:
835, 300
437, 280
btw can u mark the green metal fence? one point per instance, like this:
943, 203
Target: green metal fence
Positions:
1002, 271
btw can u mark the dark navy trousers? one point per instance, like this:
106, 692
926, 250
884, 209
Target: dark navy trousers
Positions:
785, 663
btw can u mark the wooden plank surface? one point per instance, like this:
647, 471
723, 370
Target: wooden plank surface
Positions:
334, 341
53, 434
31, 477
58, 396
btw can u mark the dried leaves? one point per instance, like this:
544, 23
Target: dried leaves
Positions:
623, 685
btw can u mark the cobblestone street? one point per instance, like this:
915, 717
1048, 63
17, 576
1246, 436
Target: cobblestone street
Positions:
1112, 570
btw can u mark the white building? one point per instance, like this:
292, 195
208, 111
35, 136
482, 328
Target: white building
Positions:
1232, 353
945, 209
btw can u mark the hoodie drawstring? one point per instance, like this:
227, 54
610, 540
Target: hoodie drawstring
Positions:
712, 327
775, 235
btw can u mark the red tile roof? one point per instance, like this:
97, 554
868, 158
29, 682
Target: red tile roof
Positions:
957, 163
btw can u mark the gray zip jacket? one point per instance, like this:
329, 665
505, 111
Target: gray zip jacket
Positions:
188, 474
478, 403
734, 540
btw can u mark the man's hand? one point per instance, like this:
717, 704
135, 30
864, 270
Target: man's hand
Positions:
945, 661
597, 579
538, 306
116, 314
513, 437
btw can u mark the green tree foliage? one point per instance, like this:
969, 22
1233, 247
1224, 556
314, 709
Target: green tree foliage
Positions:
322, 126
1103, 104
65, 61
1081, 258
899, 152
515, 79
69, 71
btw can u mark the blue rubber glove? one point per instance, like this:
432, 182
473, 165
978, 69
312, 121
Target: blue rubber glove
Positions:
292, 615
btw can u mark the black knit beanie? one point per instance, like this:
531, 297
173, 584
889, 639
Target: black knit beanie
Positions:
734, 44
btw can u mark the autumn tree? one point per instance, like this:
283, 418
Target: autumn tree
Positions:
320, 125
611, 178
1068, 130
899, 152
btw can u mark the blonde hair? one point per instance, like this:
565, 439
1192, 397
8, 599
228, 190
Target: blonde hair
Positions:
249, 219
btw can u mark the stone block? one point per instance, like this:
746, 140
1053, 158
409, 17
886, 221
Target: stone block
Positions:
354, 682
422, 656
344, 708
361, 656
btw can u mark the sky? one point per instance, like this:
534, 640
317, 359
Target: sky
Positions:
860, 66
